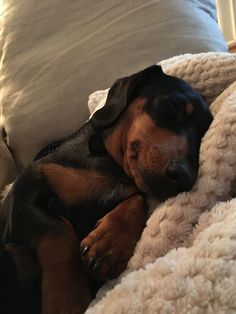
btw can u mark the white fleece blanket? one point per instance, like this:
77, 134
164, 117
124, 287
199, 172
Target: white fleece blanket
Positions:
185, 261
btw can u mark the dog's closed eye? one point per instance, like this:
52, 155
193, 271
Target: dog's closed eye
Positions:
169, 110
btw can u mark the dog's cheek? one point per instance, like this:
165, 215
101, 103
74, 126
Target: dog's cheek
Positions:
139, 181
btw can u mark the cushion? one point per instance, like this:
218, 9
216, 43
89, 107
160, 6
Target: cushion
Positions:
56, 52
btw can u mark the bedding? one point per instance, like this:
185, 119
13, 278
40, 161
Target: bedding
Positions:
185, 261
56, 52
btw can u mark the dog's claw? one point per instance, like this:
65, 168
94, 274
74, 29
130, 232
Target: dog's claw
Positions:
96, 225
97, 264
84, 251
91, 263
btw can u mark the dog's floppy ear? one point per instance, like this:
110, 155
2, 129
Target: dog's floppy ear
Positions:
121, 94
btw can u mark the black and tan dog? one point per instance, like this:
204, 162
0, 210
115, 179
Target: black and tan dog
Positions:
80, 210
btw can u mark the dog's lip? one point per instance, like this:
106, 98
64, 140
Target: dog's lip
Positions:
130, 172
138, 180
125, 163
140, 184
127, 167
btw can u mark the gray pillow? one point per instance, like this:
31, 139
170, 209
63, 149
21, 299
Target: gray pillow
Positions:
57, 52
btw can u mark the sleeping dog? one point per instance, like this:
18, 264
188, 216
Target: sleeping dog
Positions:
78, 212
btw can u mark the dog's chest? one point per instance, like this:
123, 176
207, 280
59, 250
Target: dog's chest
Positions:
86, 197
86, 185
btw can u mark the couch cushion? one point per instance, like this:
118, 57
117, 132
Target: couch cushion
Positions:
56, 52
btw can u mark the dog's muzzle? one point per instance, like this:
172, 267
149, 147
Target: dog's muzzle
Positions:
177, 177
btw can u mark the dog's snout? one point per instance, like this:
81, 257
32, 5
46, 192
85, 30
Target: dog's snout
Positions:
176, 170
179, 174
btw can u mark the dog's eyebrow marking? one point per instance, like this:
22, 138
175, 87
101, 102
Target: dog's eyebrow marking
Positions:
189, 109
139, 103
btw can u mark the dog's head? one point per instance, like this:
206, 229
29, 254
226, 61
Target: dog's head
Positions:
160, 121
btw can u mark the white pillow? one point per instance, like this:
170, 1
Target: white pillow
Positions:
56, 52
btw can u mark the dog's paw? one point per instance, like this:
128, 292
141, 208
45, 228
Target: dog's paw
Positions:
106, 250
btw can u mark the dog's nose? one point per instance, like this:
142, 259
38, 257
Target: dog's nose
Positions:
179, 174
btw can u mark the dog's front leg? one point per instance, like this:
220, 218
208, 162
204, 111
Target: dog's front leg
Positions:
107, 249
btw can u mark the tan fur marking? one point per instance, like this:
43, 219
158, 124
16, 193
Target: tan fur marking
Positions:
189, 109
156, 146
73, 184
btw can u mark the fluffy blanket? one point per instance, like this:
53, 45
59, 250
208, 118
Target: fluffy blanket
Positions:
185, 261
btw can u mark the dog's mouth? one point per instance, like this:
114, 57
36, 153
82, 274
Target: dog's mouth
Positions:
134, 173
163, 188
135, 176
161, 185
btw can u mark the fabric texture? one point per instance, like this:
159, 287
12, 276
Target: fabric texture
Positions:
8, 168
56, 52
185, 261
